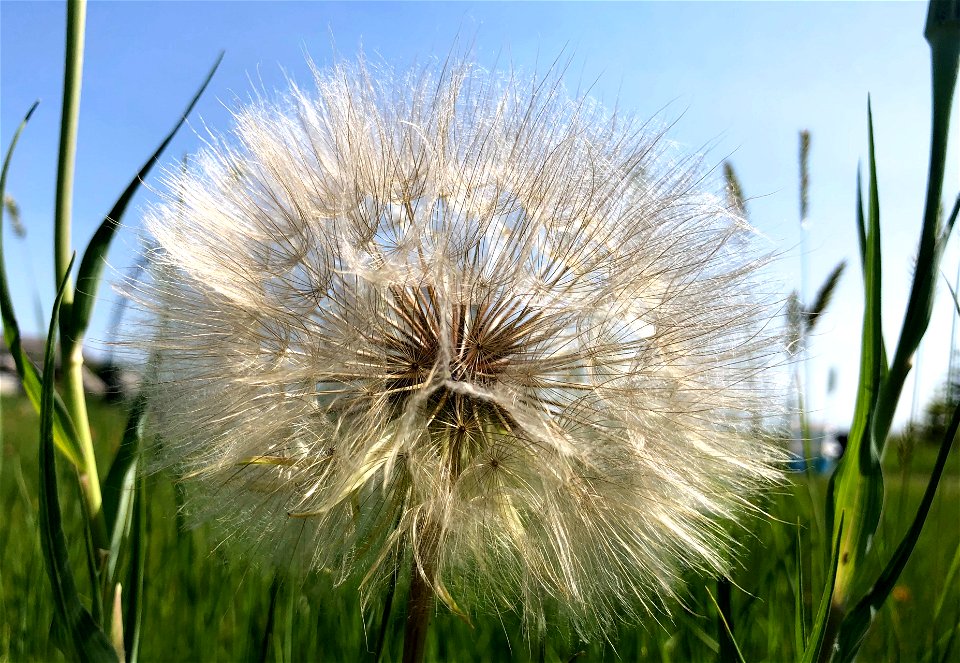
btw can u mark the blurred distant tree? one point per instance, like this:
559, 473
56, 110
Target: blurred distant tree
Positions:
937, 413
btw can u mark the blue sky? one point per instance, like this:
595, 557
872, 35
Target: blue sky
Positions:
740, 79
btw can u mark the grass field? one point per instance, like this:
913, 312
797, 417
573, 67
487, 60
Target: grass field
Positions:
201, 607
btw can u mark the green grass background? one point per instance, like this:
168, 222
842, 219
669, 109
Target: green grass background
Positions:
200, 606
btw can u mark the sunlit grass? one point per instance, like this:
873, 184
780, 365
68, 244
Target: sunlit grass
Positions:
200, 607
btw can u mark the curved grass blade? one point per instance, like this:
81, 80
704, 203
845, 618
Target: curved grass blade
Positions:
855, 625
88, 642
91, 266
64, 434
943, 34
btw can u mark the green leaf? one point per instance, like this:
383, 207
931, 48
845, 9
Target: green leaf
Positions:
856, 488
133, 614
91, 266
800, 617
64, 433
861, 224
821, 624
119, 487
89, 643
732, 651
943, 34
856, 623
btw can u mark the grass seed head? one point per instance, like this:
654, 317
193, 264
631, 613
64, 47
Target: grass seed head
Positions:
466, 322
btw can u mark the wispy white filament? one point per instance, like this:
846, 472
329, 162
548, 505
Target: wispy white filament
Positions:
466, 323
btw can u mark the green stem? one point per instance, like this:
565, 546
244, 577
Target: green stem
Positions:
70, 347
69, 119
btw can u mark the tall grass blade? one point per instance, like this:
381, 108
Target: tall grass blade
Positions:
268, 629
821, 624
943, 34
945, 589
856, 488
731, 652
119, 487
64, 435
133, 611
91, 266
88, 642
800, 616
856, 623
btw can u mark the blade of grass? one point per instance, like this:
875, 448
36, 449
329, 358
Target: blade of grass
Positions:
87, 640
856, 488
856, 623
119, 487
943, 34
733, 653
64, 435
948, 583
800, 618
821, 625
268, 629
91, 266
133, 612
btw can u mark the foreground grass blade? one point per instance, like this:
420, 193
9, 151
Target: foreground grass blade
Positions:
855, 626
821, 624
133, 612
119, 487
856, 488
800, 618
729, 649
64, 434
943, 34
88, 642
91, 266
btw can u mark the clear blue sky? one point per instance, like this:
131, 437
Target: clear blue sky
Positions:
743, 79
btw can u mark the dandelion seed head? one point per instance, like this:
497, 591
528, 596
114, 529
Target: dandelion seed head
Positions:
467, 322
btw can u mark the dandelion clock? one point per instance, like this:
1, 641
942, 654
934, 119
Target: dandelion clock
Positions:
466, 328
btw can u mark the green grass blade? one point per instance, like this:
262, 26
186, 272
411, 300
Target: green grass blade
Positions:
856, 488
732, 653
87, 640
821, 624
133, 612
64, 434
268, 629
861, 223
729, 651
856, 623
943, 34
948, 226
91, 266
800, 617
119, 487
947, 584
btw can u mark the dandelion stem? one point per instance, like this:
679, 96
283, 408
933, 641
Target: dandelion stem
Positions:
419, 608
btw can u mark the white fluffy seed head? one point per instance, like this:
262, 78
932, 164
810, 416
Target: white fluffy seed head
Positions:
463, 323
